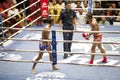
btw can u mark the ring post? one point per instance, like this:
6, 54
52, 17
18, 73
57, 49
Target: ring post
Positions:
89, 5
54, 48
25, 22
1, 25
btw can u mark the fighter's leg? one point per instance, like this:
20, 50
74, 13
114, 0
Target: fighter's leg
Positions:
103, 52
36, 60
93, 52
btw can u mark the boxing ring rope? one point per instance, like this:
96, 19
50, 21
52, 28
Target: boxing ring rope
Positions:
75, 31
90, 8
3, 31
32, 14
29, 61
73, 41
21, 29
21, 12
95, 0
10, 9
13, 6
93, 15
24, 18
59, 52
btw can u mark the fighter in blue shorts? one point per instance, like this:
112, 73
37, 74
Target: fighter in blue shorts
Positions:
45, 45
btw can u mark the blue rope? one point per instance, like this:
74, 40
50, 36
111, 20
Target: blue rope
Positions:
1, 24
89, 5
54, 48
24, 14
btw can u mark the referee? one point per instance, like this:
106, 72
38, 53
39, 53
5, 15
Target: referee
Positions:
67, 21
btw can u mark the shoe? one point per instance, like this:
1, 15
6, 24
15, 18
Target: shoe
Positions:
65, 56
91, 62
104, 59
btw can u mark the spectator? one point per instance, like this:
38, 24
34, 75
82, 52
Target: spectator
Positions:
6, 4
6, 24
85, 7
118, 18
20, 16
13, 20
12, 11
61, 3
73, 5
114, 12
14, 1
55, 9
78, 3
80, 16
4, 14
118, 4
109, 13
97, 12
103, 22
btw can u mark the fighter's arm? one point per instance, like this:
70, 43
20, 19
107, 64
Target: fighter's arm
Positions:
92, 29
46, 28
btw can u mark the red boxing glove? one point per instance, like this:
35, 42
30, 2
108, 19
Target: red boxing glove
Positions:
85, 35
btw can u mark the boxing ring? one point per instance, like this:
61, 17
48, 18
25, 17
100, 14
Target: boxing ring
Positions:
18, 52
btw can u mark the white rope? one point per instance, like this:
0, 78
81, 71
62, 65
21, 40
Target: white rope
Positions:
23, 28
12, 16
32, 4
105, 8
59, 52
20, 21
93, 16
13, 6
20, 12
105, 16
80, 31
94, 0
71, 63
96, 8
33, 21
73, 41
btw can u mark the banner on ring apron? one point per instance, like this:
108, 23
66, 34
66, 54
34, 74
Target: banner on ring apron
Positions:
44, 8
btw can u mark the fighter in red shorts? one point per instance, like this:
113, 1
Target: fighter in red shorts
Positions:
97, 38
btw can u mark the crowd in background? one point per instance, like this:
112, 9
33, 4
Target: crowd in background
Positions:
5, 4
55, 7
